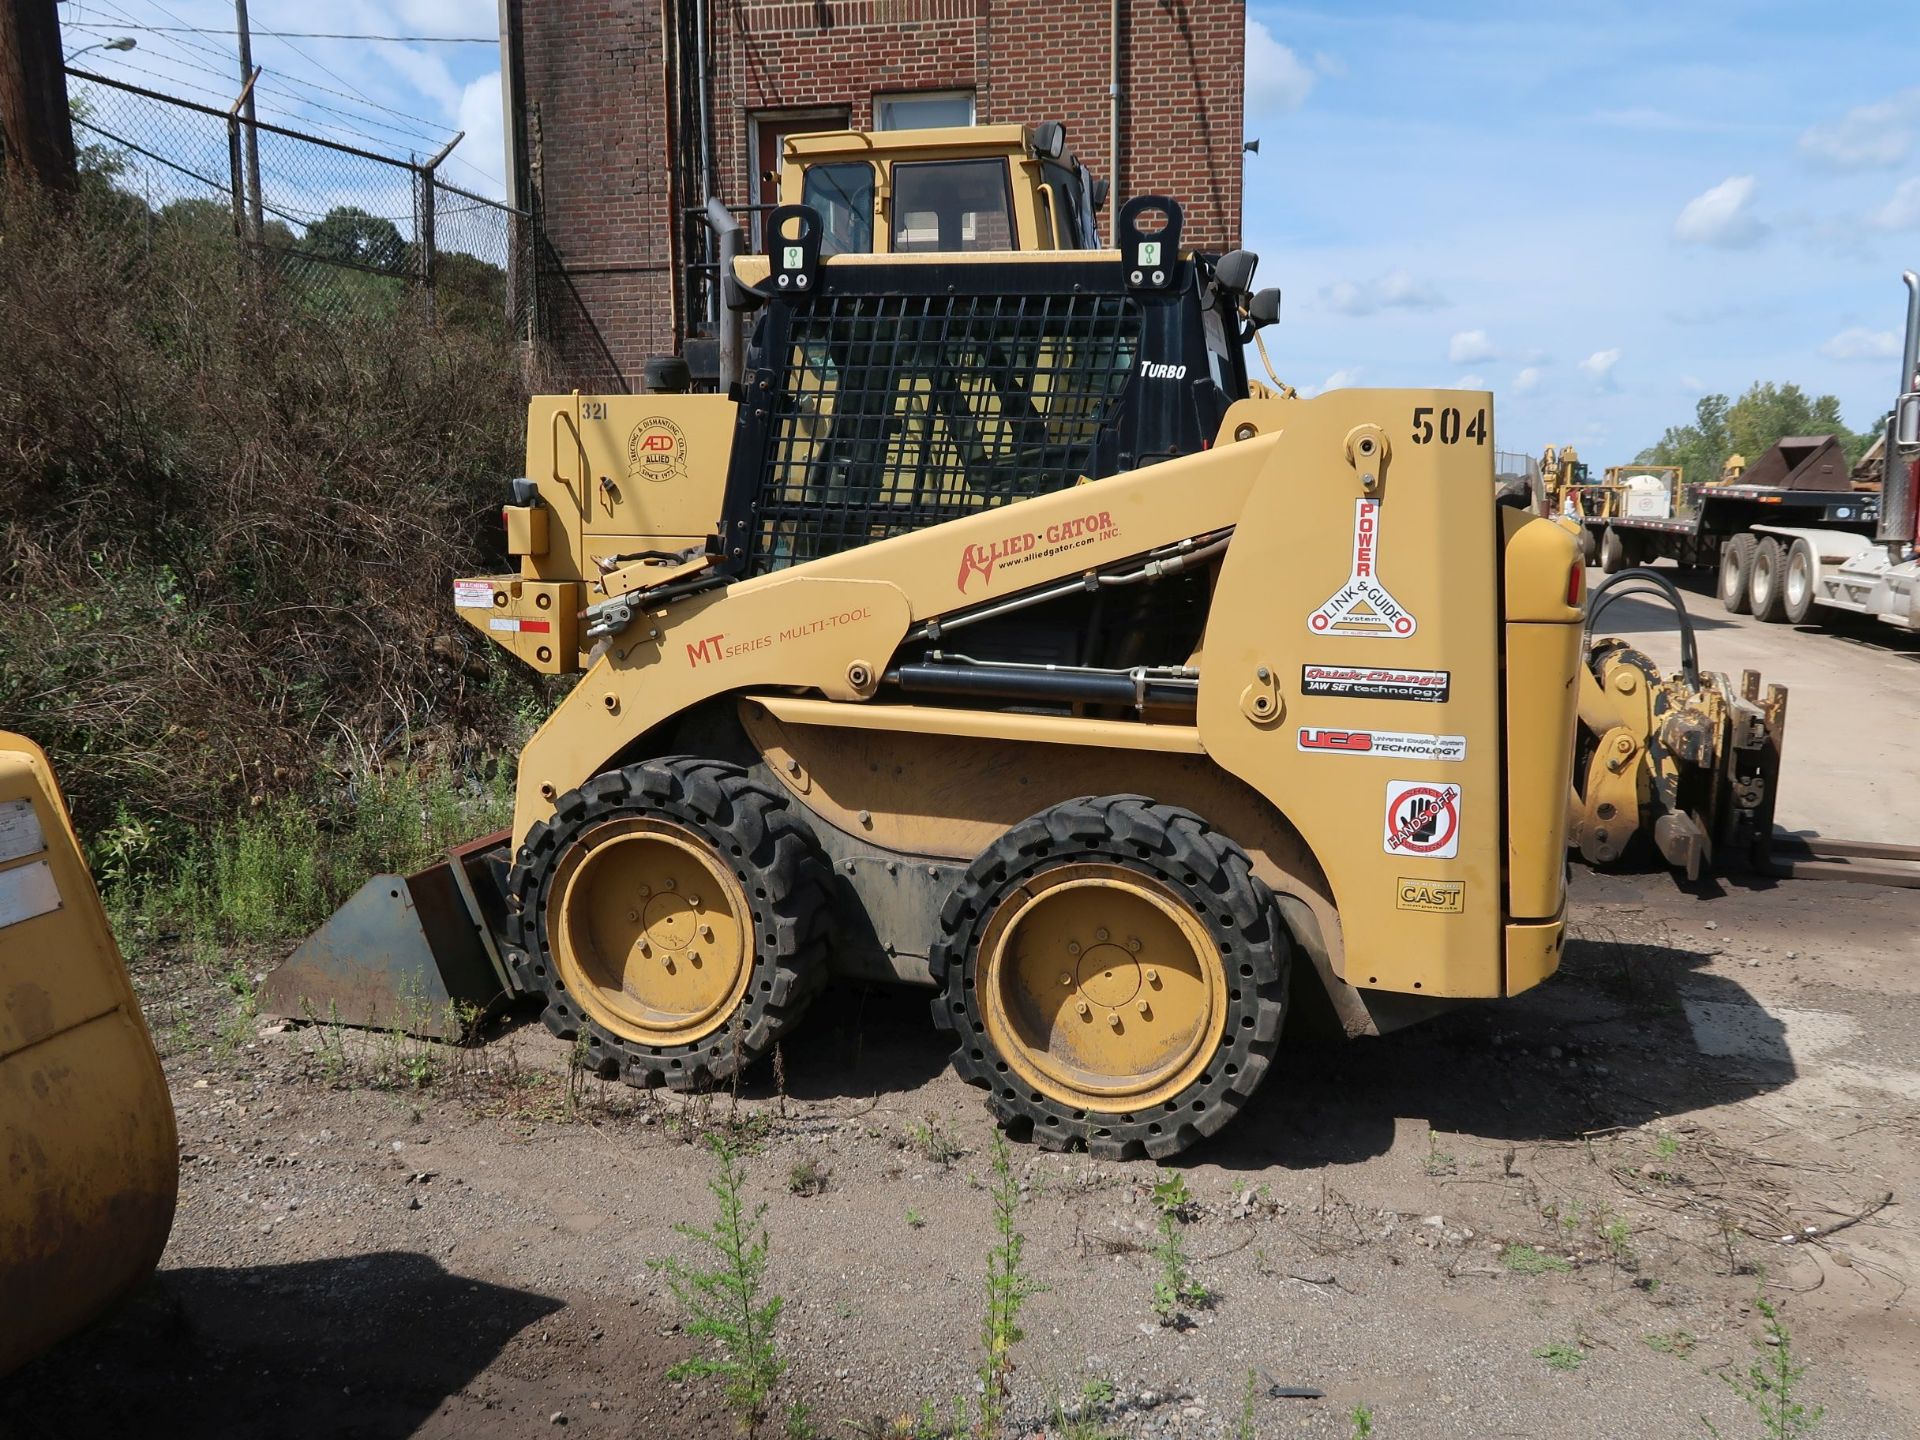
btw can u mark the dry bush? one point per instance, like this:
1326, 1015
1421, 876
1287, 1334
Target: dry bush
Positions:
230, 525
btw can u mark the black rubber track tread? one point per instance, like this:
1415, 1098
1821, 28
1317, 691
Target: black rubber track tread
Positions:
779, 865
1182, 851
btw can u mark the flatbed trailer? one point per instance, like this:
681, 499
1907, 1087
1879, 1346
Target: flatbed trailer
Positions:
1716, 514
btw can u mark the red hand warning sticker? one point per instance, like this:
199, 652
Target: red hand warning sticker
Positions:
1423, 819
1363, 608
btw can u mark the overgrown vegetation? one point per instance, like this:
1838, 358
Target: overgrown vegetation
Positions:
724, 1302
1771, 1380
229, 534
1175, 1289
1008, 1287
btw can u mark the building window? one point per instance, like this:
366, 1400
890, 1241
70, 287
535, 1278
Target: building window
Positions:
770, 131
952, 205
927, 110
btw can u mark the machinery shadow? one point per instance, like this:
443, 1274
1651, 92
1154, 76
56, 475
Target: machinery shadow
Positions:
1626, 1033
862, 1040
364, 1345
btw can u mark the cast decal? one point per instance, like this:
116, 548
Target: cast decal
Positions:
1363, 607
1030, 545
1423, 819
1389, 744
656, 450
1436, 897
1360, 682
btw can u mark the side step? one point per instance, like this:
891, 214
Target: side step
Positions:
416, 952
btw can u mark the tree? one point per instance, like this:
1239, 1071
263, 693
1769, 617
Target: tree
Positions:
348, 233
1749, 426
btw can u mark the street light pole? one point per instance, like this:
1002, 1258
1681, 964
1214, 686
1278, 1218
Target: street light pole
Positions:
253, 130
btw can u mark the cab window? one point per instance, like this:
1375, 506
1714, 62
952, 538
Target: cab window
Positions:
843, 197
952, 205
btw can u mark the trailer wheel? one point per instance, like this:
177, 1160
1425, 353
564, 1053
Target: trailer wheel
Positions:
1589, 547
1736, 570
1797, 589
1613, 552
1115, 976
673, 913
1766, 583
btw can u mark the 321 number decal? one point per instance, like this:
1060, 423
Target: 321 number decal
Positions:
1446, 426
593, 409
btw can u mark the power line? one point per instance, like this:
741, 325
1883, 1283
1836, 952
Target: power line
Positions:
308, 34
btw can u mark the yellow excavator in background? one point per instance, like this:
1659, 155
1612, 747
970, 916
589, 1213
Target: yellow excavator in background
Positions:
87, 1145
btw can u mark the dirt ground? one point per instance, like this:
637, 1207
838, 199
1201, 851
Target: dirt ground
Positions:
1549, 1216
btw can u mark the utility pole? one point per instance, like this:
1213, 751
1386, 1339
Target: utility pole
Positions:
36, 129
253, 131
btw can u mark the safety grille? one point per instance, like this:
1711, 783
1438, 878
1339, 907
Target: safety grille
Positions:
896, 412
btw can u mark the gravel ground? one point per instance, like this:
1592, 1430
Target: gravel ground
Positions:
381, 1238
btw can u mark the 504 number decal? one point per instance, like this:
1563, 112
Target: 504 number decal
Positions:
1447, 425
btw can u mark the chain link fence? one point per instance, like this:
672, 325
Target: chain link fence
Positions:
350, 231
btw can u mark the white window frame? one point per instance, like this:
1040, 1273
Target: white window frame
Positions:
886, 97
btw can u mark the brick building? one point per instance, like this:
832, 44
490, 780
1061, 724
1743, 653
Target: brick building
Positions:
624, 112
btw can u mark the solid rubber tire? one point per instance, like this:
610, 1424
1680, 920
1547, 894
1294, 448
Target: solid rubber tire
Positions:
751, 827
1766, 584
1736, 570
1202, 866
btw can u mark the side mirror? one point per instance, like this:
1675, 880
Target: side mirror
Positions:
1264, 308
1906, 422
1050, 139
1234, 270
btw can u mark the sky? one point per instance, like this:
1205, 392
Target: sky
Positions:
1597, 211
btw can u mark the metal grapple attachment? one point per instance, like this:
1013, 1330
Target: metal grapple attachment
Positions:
1684, 759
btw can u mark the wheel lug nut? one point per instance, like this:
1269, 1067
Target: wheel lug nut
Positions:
1084, 1009
1153, 976
1065, 979
1134, 945
706, 933
645, 891
670, 884
1114, 1020
633, 917
669, 964
1073, 947
1100, 935
1142, 1007
694, 901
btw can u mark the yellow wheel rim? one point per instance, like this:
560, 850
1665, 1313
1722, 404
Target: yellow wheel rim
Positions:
1100, 988
652, 935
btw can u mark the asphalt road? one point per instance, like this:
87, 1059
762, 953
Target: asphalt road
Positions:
1852, 756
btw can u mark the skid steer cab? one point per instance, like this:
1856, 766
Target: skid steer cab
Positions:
994, 641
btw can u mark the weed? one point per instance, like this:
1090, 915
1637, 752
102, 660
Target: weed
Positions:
1097, 1392
1666, 1145
915, 1219
1770, 1381
1244, 1430
1439, 1162
1171, 1197
1008, 1287
1561, 1355
1525, 1260
1617, 1236
1175, 1289
724, 1304
1669, 1342
799, 1422
807, 1177
933, 1143
1361, 1418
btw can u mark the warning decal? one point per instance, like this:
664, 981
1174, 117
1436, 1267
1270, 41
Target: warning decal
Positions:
1423, 819
1363, 607
473, 594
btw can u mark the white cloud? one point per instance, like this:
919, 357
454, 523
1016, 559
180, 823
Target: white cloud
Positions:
1721, 217
485, 147
1471, 382
1395, 290
1340, 379
1902, 212
1693, 385
1328, 64
1860, 343
1528, 379
1867, 137
1277, 82
1600, 365
1470, 347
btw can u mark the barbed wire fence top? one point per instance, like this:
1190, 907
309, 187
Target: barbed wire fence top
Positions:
353, 231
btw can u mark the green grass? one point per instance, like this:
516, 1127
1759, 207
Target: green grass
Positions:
1561, 1355
1669, 1342
1525, 1260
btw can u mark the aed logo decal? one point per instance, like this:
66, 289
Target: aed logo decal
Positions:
710, 648
1393, 744
656, 450
1033, 545
1363, 607
1154, 370
1436, 897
